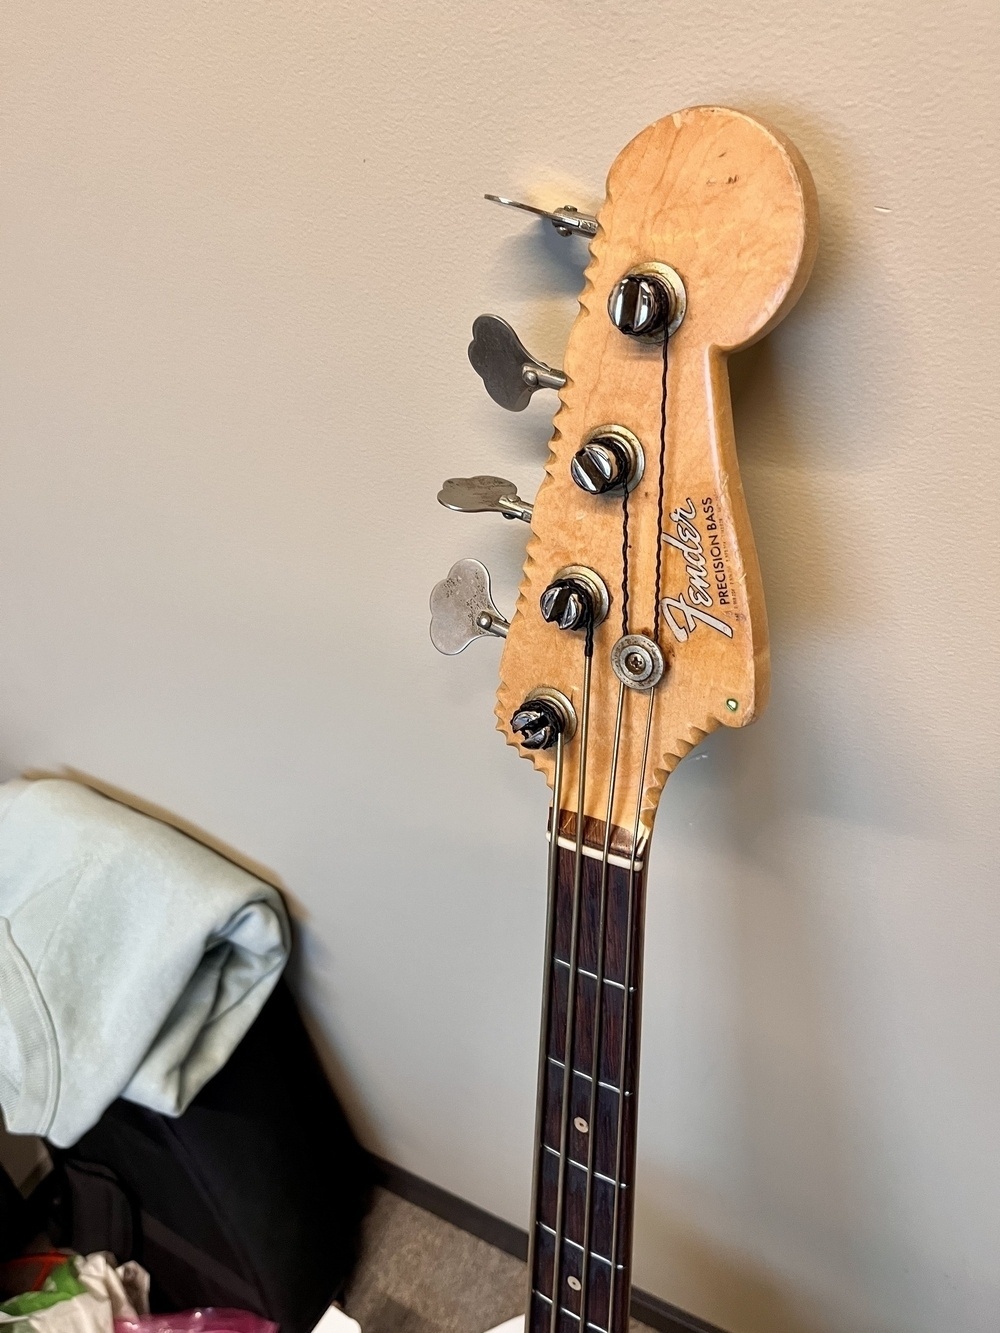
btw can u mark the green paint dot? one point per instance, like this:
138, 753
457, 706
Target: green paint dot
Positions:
732, 704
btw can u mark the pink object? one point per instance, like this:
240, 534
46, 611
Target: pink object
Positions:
209, 1320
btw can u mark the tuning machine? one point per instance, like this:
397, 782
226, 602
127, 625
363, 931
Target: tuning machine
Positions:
484, 495
462, 609
509, 371
568, 221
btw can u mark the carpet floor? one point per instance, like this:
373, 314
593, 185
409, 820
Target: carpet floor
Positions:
420, 1275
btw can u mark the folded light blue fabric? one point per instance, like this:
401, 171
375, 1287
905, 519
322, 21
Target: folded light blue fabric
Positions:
132, 959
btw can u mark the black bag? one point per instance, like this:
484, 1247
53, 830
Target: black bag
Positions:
15, 1218
253, 1198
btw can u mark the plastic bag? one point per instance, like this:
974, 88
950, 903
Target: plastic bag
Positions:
83, 1294
209, 1320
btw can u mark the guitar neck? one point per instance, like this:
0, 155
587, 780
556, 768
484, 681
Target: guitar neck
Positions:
581, 1230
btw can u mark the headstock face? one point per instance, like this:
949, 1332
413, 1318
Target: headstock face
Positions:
730, 206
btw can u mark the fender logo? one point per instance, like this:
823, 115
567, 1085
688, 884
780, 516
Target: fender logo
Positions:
684, 616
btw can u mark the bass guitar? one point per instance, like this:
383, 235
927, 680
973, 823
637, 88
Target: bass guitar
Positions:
640, 624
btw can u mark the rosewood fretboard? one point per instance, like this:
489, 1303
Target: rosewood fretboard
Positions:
581, 1232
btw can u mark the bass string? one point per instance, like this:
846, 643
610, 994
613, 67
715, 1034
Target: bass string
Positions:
598, 1027
624, 561
569, 1041
662, 487
543, 1044
630, 912
631, 894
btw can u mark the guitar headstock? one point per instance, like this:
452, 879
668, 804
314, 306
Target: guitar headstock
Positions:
640, 540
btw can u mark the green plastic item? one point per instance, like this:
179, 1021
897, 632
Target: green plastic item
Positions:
62, 1284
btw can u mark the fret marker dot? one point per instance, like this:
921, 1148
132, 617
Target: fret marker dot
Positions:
581, 1125
573, 1283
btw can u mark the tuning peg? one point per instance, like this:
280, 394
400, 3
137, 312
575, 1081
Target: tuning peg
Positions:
481, 495
511, 374
568, 221
462, 609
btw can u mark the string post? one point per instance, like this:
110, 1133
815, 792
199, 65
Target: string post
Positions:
545, 717
567, 604
648, 302
576, 599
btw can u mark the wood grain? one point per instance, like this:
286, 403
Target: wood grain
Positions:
730, 205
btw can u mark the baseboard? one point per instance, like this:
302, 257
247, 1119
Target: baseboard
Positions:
650, 1310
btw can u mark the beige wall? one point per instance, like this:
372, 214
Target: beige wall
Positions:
243, 244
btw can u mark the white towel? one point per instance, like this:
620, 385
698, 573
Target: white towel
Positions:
132, 959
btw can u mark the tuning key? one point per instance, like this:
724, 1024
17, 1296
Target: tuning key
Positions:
484, 495
462, 609
568, 221
509, 371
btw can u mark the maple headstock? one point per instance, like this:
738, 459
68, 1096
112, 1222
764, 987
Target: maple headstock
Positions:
729, 205
717, 215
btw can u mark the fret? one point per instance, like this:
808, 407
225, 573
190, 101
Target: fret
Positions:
548, 1301
598, 1175
571, 1271
583, 972
575, 1245
608, 1013
603, 1128
612, 1007
603, 1201
570, 1314
614, 961
579, 1073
